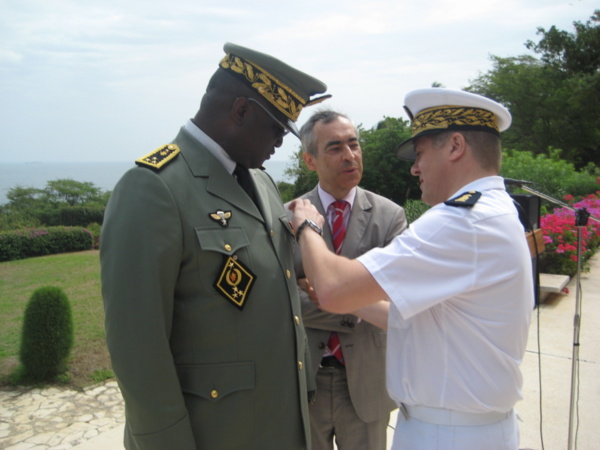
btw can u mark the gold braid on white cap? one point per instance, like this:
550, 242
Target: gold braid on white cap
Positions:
448, 116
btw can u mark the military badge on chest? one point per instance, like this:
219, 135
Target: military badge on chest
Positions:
235, 281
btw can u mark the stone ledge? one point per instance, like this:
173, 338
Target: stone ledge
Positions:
552, 284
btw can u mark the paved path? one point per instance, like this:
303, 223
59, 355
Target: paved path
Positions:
56, 419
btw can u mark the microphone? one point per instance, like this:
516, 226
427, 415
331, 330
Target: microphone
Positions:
513, 182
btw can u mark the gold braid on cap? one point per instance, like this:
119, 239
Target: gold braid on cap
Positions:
443, 117
277, 93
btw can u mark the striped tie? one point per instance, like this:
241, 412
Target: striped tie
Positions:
337, 225
339, 231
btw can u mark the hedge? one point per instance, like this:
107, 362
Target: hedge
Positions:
72, 216
20, 244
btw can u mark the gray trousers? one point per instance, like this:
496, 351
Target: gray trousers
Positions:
332, 414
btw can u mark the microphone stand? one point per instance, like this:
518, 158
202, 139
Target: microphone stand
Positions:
581, 221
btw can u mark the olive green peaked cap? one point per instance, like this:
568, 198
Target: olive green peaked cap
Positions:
287, 90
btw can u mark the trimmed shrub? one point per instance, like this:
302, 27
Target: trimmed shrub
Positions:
47, 335
26, 243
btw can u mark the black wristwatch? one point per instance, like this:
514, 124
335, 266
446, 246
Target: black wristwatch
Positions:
308, 223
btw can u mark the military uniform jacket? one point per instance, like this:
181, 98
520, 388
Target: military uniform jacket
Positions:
197, 370
373, 222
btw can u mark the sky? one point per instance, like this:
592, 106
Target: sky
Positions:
111, 80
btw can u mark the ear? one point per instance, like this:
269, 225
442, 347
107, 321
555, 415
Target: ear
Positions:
309, 160
458, 147
239, 110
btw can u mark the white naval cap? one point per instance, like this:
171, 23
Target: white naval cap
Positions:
437, 109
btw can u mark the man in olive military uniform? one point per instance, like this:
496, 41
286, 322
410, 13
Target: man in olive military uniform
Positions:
203, 319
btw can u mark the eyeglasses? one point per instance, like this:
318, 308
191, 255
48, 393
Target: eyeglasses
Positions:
281, 129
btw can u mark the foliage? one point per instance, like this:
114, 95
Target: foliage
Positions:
572, 53
554, 100
384, 173
73, 192
95, 229
414, 209
32, 207
550, 174
561, 237
73, 216
25, 243
286, 191
47, 336
305, 179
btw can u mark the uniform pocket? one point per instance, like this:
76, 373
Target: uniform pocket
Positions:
222, 240
220, 402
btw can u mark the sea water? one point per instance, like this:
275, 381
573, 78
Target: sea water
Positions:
103, 175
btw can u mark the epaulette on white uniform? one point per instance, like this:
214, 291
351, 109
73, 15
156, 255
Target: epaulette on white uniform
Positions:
466, 199
159, 158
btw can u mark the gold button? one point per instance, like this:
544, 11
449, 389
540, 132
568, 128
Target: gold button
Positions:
300, 365
228, 247
214, 393
288, 273
272, 233
297, 320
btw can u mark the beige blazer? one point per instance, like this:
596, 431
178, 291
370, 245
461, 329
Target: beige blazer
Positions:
374, 221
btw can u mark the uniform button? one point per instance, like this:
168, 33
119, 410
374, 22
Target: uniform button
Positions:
214, 393
288, 273
272, 233
228, 247
321, 345
297, 320
300, 365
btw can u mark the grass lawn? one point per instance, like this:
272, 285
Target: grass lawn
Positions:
78, 274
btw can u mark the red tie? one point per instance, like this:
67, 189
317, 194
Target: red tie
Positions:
339, 231
337, 225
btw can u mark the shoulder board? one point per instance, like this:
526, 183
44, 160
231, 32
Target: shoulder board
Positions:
466, 199
159, 158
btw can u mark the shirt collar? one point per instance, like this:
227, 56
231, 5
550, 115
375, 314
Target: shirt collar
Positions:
327, 199
217, 151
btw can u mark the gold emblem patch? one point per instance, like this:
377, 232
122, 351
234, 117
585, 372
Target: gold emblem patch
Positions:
235, 282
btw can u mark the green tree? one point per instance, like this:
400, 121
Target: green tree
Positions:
384, 173
573, 53
305, 179
554, 100
73, 193
31, 207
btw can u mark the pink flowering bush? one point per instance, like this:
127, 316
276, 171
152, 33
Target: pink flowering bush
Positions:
560, 236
